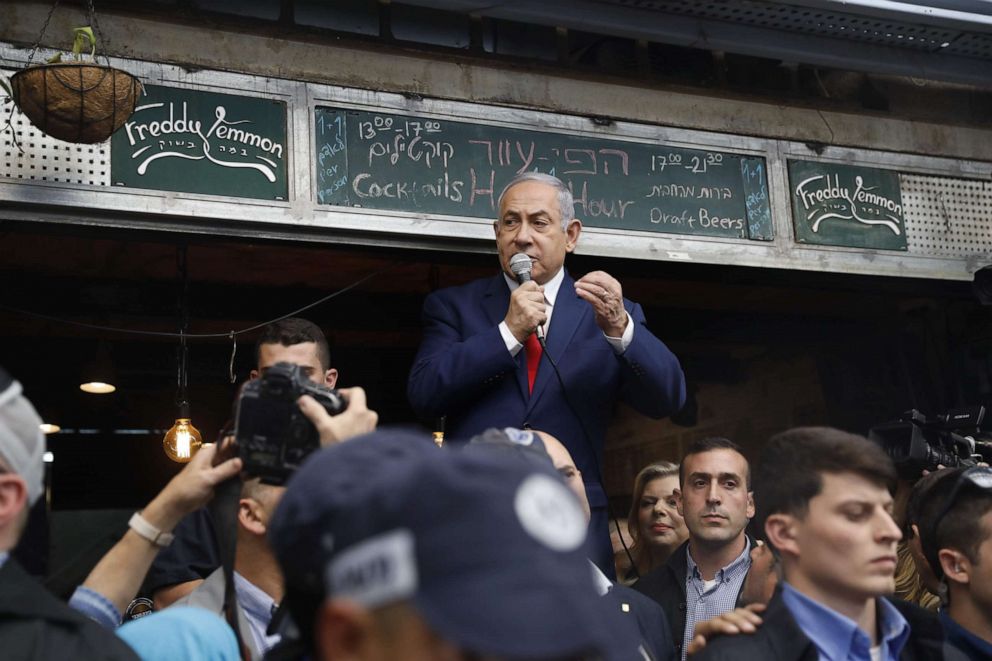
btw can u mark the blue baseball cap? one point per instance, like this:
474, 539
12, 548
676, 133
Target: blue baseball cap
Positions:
489, 550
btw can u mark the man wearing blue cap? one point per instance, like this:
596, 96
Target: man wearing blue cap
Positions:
393, 549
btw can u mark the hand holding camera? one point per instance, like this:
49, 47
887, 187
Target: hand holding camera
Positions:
283, 416
355, 420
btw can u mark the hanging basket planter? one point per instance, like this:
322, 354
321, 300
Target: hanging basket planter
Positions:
79, 100
76, 101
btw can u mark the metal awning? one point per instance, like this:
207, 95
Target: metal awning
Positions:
949, 40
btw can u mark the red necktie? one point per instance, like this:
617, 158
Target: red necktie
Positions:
533, 349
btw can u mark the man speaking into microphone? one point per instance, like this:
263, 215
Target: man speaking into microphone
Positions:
481, 363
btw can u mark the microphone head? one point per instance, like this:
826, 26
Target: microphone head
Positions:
521, 266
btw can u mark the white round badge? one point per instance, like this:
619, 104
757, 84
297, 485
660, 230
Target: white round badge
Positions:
550, 513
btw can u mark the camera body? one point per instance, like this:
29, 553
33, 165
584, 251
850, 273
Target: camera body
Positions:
916, 442
273, 436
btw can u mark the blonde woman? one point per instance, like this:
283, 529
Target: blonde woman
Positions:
654, 522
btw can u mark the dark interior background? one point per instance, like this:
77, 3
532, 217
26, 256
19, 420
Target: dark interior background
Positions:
875, 346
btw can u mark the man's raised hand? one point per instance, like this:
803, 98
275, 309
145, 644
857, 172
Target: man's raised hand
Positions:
603, 292
355, 420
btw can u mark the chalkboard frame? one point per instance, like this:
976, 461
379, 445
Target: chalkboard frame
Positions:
425, 164
551, 123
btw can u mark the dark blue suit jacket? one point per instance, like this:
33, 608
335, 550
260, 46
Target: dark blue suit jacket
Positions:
463, 371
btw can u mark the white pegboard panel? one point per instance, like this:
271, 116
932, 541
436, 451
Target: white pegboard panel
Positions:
43, 158
946, 216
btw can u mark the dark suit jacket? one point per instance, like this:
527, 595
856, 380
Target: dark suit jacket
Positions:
35, 625
463, 371
649, 619
779, 638
666, 586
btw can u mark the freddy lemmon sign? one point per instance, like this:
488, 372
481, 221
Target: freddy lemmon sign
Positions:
203, 142
843, 205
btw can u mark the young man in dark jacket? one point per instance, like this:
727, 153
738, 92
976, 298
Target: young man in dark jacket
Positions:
704, 577
824, 498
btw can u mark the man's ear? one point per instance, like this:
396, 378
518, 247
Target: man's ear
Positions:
956, 566
252, 375
750, 505
343, 631
780, 530
13, 498
250, 516
678, 500
572, 233
330, 377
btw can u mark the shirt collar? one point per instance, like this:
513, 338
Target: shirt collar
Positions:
741, 561
3, 557
835, 635
253, 599
600, 580
550, 289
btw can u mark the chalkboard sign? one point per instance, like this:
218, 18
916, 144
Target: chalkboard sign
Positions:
203, 142
845, 205
406, 163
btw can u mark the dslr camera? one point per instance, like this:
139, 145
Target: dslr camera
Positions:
916, 442
273, 436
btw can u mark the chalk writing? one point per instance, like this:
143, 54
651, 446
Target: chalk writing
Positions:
458, 168
847, 205
205, 142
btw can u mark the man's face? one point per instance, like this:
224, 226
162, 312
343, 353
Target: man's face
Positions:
304, 354
530, 222
762, 578
395, 631
14, 507
845, 545
714, 501
565, 466
980, 580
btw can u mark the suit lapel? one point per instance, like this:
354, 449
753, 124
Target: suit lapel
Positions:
568, 313
496, 299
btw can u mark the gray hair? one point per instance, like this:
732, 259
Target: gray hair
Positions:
566, 205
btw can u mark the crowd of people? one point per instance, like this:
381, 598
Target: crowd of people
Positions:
497, 545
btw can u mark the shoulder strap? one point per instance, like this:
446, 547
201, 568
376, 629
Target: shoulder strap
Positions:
224, 509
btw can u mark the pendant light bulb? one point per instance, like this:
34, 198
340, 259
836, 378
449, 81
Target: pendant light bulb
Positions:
182, 441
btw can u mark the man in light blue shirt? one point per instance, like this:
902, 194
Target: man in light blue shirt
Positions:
823, 497
258, 582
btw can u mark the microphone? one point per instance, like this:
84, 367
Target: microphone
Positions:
521, 266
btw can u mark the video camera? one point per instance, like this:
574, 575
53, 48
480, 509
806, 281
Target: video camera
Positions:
916, 443
273, 436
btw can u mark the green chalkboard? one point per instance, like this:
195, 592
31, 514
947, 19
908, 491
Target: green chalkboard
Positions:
203, 142
845, 205
407, 163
